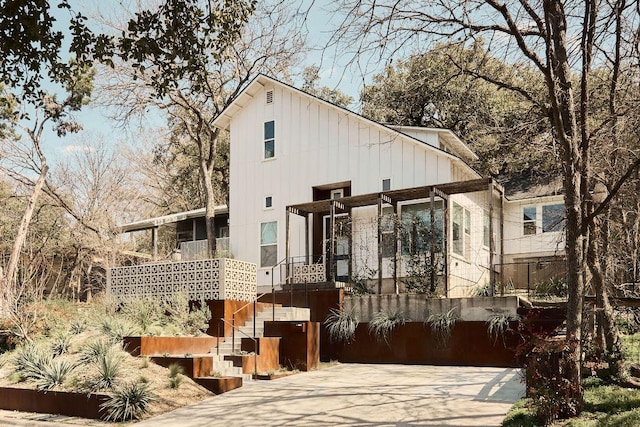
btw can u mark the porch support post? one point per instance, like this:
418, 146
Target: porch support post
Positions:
500, 190
395, 247
306, 238
379, 244
445, 206
492, 270
288, 214
332, 239
432, 239
154, 242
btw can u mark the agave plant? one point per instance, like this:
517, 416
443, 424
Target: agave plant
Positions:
341, 325
93, 350
441, 325
130, 402
60, 344
53, 373
108, 370
383, 322
30, 361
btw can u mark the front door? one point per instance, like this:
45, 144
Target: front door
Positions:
341, 246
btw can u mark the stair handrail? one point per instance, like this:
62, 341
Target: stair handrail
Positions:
273, 289
255, 346
233, 318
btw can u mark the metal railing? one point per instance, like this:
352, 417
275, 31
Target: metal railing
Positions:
255, 346
273, 288
233, 319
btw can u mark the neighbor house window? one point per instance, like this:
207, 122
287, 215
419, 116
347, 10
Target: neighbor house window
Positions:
337, 194
268, 243
388, 235
486, 235
416, 228
386, 184
269, 139
552, 218
268, 202
529, 220
459, 228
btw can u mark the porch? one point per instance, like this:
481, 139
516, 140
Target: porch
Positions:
422, 222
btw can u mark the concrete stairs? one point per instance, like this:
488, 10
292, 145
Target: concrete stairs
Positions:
228, 347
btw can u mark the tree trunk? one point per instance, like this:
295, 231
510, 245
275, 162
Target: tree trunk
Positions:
8, 281
210, 204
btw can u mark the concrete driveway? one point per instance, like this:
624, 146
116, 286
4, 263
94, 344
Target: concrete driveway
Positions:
362, 395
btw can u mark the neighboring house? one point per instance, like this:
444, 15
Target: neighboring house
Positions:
318, 193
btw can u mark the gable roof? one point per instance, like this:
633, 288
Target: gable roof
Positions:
260, 81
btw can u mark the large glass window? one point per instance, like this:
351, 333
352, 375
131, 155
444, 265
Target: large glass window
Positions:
268, 244
416, 227
529, 220
269, 139
552, 218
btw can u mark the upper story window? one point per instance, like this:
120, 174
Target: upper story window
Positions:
268, 202
552, 218
529, 218
386, 184
269, 139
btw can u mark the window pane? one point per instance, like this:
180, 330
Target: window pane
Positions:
552, 218
458, 214
268, 255
529, 213
268, 202
486, 237
269, 130
268, 233
386, 184
467, 222
269, 149
529, 228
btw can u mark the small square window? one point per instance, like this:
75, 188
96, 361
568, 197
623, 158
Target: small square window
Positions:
337, 194
268, 202
386, 184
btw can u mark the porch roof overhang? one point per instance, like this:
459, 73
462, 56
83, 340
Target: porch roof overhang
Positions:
395, 196
151, 223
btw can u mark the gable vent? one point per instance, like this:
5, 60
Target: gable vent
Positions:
270, 97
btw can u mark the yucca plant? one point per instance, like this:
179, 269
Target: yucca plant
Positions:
93, 350
383, 323
175, 375
441, 325
108, 370
53, 373
130, 402
60, 344
498, 324
30, 361
341, 325
78, 326
116, 329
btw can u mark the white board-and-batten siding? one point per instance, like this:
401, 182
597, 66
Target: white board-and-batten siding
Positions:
315, 144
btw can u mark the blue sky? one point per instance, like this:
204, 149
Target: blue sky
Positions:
97, 124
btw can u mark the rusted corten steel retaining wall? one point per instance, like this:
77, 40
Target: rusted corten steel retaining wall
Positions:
149, 346
413, 343
299, 343
52, 402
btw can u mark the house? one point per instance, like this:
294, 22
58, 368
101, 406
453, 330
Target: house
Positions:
320, 194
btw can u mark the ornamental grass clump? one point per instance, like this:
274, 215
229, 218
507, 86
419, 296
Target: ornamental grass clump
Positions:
341, 325
131, 402
498, 325
175, 375
384, 322
441, 325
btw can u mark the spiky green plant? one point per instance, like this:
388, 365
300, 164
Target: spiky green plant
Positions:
78, 326
341, 325
441, 325
30, 361
116, 329
108, 370
498, 324
131, 402
60, 344
384, 322
54, 373
93, 350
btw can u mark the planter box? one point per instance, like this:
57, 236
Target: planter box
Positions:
52, 402
150, 346
219, 385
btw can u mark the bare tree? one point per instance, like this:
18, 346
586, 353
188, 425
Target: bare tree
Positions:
193, 97
562, 41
